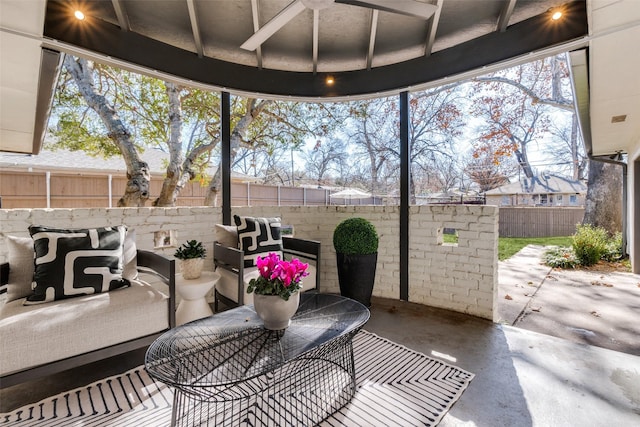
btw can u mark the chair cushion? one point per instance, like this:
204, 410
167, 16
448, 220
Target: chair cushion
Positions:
258, 237
72, 262
228, 283
20, 267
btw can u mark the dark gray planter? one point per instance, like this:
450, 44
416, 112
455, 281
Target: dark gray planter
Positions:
356, 275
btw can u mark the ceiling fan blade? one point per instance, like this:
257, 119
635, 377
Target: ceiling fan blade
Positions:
270, 28
404, 7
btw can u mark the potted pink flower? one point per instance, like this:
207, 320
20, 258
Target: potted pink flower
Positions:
277, 289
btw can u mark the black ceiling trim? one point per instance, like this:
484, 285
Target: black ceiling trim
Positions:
531, 35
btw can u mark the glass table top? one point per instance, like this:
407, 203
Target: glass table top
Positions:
233, 346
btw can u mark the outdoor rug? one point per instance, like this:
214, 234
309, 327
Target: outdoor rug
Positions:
396, 386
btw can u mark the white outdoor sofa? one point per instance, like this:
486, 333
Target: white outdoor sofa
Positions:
43, 339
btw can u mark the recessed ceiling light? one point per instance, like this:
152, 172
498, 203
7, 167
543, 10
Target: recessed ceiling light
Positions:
330, 80
556, 15
618, 119
79, 15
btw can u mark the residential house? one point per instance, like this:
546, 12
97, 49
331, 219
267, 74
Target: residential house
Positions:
540, 190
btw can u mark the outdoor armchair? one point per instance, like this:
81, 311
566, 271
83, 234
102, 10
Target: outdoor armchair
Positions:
231, 289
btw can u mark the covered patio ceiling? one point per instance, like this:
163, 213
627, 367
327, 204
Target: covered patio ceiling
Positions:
368, 47
364, 46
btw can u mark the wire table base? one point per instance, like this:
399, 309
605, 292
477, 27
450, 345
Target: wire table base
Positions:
228, 370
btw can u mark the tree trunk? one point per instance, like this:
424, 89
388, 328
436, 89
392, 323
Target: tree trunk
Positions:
523, 159
373, 160
138, 174
171, 185
574, 147
603, 207
412, 187
579, 161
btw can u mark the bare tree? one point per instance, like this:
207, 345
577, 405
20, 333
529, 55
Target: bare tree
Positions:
323, 158
570, 151
486, 172
547, 83
371, 131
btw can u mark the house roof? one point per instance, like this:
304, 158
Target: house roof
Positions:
79, 161
541, 184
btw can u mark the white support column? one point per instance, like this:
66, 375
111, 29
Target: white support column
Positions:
110, 190
48, 183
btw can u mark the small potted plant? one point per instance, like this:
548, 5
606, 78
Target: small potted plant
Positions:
356, 243
192, 255
277, 289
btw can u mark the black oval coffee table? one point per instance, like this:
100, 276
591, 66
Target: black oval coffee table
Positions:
228, 369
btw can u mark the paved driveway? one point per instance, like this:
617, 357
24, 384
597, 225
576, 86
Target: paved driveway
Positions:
595, 308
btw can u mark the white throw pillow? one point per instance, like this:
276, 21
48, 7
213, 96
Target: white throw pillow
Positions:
21, 267
129, 256
227, 235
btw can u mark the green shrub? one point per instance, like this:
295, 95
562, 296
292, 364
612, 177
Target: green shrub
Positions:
589, 244
561, 257
355, 236
613, 250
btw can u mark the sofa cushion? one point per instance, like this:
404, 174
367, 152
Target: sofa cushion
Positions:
72, 262
258, 237
37, 334
20, 267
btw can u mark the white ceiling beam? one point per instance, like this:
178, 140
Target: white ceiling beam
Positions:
195, 28
372, 37
316, 25
256, 27
433, 29
121, 13
505, 15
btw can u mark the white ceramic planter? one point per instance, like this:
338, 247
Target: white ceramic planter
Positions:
275, 312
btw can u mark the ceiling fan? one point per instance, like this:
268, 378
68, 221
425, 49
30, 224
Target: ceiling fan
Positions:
404, 7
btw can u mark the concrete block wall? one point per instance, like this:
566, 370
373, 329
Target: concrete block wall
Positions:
186, 223
461, 278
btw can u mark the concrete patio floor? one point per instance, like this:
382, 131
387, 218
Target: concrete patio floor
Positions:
523, 378
589, 307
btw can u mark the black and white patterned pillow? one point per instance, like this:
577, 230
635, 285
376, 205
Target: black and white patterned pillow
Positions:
74, 262
258, 237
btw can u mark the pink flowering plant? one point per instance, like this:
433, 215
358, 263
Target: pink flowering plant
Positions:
278, 277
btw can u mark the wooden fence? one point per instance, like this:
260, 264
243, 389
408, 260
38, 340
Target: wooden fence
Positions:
539, 221
40, 189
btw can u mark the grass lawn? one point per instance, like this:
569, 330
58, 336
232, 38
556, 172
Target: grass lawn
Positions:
508, 246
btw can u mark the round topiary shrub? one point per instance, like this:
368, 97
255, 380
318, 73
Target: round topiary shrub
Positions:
355, 236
